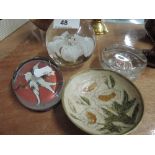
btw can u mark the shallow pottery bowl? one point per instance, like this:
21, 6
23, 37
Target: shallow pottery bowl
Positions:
102, 102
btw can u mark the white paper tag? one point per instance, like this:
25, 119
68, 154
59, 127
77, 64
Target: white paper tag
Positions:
43, 71
66, 23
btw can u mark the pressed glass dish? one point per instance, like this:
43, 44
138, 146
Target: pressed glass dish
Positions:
123, 59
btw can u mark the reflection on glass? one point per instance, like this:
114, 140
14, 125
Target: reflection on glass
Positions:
127, 40
132, 21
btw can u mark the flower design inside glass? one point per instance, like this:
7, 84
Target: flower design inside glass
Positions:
37, 83
70, 48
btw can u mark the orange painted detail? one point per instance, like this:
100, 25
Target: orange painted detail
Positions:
91, 117
107, 97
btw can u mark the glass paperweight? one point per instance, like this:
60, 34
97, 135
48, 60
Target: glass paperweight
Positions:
123, 59
37, 84
70, 47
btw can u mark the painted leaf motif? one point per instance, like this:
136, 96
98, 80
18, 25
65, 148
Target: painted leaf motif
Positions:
75, 117
91, 87
111, 127
129, 104
112, 81
106, 82
117, 107
125, 97
71, 106
121, 109
110, 116
135, 113
124, 118
86, 100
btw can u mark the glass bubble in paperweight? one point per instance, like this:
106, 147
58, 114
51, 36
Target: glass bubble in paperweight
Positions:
70, 47
123, 59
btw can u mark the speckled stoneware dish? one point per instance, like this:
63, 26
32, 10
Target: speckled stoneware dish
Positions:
102, 102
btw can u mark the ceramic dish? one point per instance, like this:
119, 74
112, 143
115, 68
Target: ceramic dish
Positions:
102, 102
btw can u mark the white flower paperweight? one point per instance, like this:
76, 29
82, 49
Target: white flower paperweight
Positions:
70, 47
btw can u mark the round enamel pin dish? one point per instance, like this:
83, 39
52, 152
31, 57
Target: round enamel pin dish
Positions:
37, 83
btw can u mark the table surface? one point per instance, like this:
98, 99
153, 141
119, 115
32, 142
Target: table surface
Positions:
28, 42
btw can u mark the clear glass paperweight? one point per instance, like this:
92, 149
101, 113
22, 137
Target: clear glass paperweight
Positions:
123, 59
70, 47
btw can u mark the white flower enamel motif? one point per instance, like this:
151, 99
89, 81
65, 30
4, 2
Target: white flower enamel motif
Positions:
35, 82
